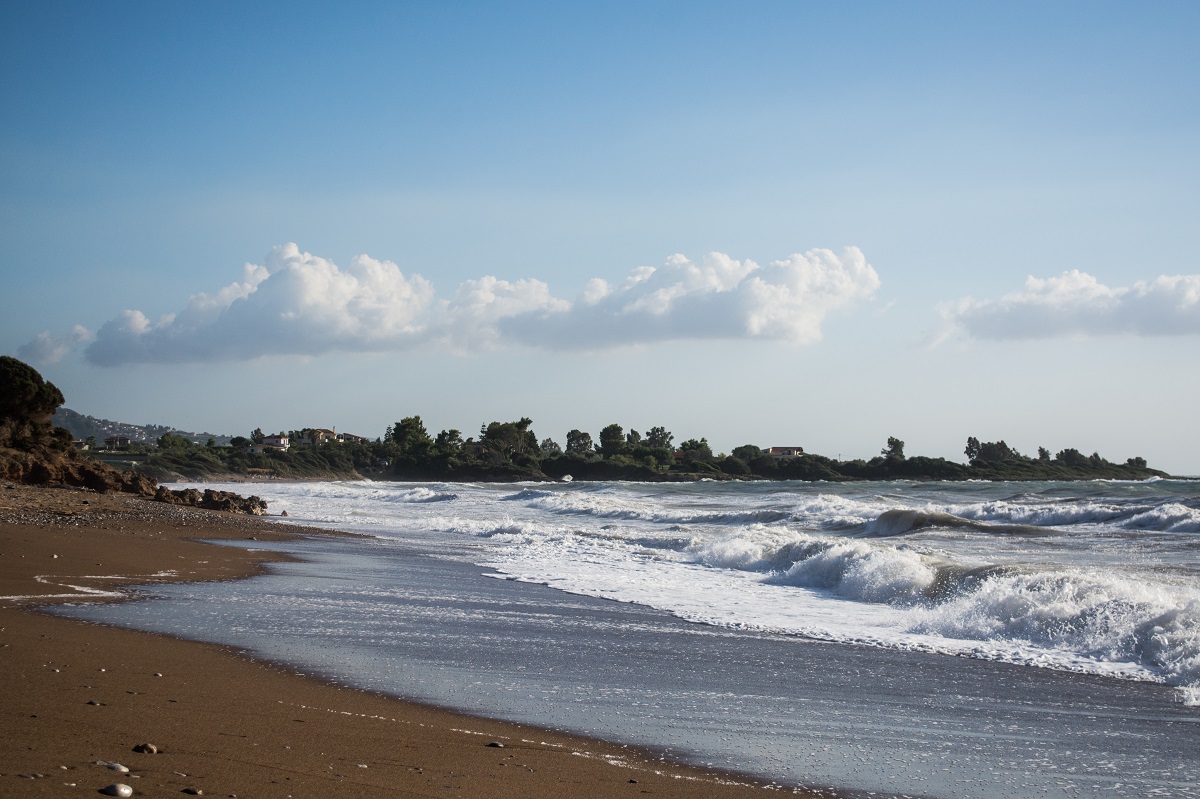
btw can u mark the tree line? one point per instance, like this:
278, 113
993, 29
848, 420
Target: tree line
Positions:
511, 451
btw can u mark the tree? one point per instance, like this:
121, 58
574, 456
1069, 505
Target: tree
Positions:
990, 451
509, 438
173, 441
1071, 457
997, 452
24, 395
1137, 463
212, 442
550, 448
612, 440
633, 439
410, 439
448, 443
747, 452
694, 450
1043, 454
258, 436
659, 437
894, 451
579, 443
240, 442
734, 465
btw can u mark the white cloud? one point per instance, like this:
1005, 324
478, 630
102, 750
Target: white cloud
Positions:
718, 298
47, 348
1077, 304
298, 303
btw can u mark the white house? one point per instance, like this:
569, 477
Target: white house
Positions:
279, 442
779, 453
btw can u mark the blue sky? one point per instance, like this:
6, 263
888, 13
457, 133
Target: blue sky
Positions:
774, 223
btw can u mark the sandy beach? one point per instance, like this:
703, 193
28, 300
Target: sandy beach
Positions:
78, 696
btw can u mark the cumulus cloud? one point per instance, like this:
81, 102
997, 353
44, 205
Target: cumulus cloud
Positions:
294, 304
48, 348
1077, 304
299, 303
720, 297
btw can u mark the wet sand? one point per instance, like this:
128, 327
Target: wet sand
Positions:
77, 695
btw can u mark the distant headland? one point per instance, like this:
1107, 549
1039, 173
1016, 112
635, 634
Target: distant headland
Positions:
128, 458
511, 451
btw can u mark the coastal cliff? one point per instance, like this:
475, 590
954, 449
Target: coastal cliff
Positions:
34, 452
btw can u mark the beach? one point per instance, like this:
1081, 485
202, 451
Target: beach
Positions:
80, 695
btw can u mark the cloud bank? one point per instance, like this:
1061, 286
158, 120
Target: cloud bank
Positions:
47, 348
297, 303
1077, 304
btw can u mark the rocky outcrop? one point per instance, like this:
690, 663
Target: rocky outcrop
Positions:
46, 466
213, 500
34, 452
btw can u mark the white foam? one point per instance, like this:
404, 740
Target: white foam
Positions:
935, 567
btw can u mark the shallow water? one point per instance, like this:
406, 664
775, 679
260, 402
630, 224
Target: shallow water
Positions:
719, 654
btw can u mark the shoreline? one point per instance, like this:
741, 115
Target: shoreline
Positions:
227, 724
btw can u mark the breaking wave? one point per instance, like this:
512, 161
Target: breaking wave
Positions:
1077, 612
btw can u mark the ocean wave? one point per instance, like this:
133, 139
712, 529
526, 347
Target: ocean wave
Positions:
526, 494
605, 506
1171, 517
1077, 612
423, 494
1164, 516
1104, 618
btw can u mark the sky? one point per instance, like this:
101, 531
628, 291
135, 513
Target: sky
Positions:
778, 223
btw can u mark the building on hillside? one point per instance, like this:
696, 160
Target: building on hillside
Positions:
316, 436
350, 438
785, 452
278, 442
474, 449
116, 442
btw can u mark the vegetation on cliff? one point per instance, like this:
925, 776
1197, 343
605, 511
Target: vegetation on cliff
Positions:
33, 451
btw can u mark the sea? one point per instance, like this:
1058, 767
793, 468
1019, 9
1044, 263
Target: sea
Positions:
916, 639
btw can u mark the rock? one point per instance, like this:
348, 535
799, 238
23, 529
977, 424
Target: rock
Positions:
117, 789
118, 767
146, 749
496, 745
193, 792
212, 500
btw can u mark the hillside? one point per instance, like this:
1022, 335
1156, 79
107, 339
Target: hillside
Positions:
82, 427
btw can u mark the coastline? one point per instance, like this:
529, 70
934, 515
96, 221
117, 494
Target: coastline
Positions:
78, 693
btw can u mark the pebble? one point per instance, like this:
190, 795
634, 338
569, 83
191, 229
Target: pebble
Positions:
119, 767
146, 749
193, 792
117, 789
496, 745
